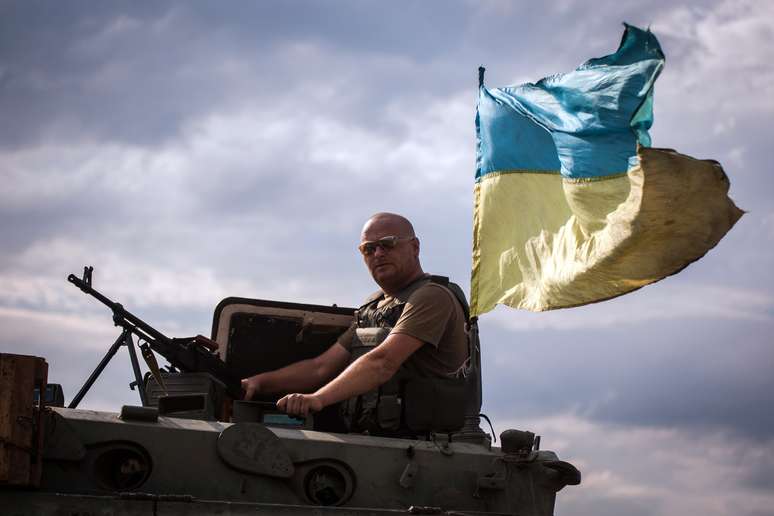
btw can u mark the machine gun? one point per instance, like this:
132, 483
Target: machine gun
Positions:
186, 354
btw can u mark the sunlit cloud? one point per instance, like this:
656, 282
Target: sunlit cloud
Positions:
655, 303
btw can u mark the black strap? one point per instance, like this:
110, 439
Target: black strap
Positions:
456, 290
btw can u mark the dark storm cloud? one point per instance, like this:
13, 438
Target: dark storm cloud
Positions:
686, 374
47, 78
138, 73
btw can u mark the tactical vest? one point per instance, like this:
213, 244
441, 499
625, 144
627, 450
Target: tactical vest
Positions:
411, 403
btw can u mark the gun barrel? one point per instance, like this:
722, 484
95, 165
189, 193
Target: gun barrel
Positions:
88, 289
120, 316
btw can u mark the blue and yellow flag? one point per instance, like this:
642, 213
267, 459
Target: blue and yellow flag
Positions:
572, 206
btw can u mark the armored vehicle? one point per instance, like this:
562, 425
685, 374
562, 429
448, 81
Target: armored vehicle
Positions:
192, 446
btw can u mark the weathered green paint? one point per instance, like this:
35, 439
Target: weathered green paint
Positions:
186, 465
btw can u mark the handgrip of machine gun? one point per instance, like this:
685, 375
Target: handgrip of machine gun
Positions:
207, 343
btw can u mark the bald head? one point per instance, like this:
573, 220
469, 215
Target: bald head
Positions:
399, 223
392, 268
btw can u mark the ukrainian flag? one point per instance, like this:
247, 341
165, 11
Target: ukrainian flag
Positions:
572, 206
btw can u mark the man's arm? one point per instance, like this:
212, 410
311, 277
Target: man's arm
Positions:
366, 373
303, 376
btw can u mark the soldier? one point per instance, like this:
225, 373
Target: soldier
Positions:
409, 336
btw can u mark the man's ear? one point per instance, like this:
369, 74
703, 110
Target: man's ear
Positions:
415, 243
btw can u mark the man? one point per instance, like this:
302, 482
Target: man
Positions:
412, 328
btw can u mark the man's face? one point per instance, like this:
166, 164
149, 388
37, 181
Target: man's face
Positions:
392, 268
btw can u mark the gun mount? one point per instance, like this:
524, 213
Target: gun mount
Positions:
186, 354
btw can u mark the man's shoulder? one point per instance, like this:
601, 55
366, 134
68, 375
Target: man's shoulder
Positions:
433, 294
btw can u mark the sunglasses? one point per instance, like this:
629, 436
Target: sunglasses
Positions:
386, 243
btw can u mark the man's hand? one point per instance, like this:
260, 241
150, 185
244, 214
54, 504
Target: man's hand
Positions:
251, 386
300, 404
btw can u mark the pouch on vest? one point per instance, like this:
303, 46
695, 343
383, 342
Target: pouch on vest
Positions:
361, 409
434, 404
366, 339
388, 412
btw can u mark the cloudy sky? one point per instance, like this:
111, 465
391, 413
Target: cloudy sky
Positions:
193, 151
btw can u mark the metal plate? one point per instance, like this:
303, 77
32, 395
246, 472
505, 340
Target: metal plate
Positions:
253, 448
